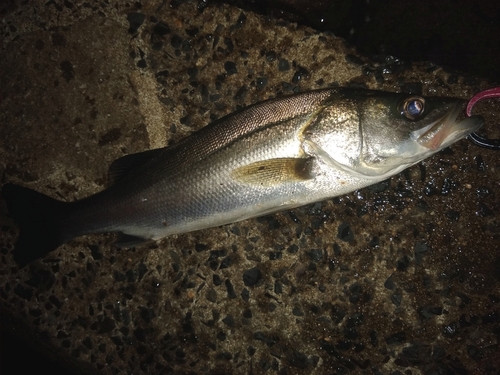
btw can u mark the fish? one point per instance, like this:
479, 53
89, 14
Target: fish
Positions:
272, 156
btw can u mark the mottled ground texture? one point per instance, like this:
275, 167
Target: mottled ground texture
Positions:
399, 278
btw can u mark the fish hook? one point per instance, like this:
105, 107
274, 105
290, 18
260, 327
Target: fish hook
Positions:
492, 144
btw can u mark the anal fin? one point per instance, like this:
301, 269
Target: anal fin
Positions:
127, 240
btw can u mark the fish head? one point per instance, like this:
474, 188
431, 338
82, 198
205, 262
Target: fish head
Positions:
399, 130
378, 134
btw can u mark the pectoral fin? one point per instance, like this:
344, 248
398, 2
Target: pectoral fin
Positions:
274, 171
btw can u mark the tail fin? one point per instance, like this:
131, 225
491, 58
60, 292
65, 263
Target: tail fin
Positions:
39, 218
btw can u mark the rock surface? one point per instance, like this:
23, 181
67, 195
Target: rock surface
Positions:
401, 276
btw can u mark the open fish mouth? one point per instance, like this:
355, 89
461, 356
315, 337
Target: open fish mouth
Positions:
447, 130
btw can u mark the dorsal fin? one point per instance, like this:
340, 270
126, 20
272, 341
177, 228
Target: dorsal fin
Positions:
122, 166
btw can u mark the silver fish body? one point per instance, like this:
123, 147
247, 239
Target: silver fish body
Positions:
272, 156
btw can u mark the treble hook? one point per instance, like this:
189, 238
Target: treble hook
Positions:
492, 144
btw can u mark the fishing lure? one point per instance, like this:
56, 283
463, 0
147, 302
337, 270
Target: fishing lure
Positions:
479, 140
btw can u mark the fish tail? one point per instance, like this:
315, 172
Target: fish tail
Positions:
39, 218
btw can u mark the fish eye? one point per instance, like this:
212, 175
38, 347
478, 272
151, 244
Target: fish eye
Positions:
412, 107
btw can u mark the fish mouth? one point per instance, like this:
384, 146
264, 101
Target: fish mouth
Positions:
447, 129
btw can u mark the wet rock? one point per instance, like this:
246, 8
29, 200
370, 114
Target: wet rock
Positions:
396, 338
251, 277
107, 89
161, 29
230, 67
135, 21
283, 65
345, 232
